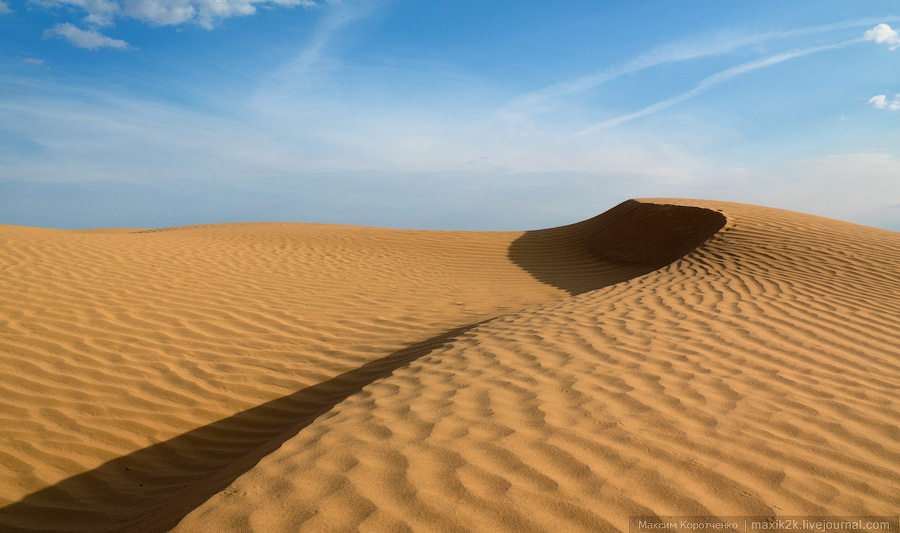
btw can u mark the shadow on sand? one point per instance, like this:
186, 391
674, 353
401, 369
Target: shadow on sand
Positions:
629, 240
153, 488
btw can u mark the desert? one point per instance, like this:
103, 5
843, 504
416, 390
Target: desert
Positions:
668, 357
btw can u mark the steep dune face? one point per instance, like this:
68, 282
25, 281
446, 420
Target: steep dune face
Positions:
758, 375
667, 357
629, 240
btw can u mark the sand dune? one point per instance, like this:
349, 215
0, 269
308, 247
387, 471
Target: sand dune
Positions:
668, 357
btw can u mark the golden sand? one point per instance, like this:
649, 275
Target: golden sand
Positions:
668, 357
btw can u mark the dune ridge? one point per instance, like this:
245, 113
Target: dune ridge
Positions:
142, 367
755, 376
666, 357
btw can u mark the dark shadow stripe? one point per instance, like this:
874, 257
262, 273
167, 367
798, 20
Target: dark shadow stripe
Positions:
153, 488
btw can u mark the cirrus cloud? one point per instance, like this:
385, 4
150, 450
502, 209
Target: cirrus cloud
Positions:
90, 39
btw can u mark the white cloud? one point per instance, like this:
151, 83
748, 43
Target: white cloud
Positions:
32, 60
881, 102
884, 34
90, 39
205, 13
4, 8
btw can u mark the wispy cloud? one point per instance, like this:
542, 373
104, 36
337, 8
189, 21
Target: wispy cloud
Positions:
327, 107
337, 20
330, 113
90, 39
549, 98
716, 79
98, 12
881, 102
884, 34
32, 60
4, 8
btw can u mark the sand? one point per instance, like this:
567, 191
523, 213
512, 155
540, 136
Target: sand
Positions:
668, 357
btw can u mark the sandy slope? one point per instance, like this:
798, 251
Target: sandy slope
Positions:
136, 366
544, 381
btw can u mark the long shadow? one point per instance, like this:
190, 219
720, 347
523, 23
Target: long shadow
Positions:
153, 488
631, 239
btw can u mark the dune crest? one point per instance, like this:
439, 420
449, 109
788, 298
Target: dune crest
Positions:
629, 240
669, 357
755, 376
144, 370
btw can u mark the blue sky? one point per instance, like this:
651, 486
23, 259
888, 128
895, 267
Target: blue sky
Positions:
442, 115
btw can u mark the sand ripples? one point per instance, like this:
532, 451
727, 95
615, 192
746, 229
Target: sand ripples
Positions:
559, 380
736, 381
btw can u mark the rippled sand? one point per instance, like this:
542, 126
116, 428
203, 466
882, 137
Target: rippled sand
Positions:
668, 357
